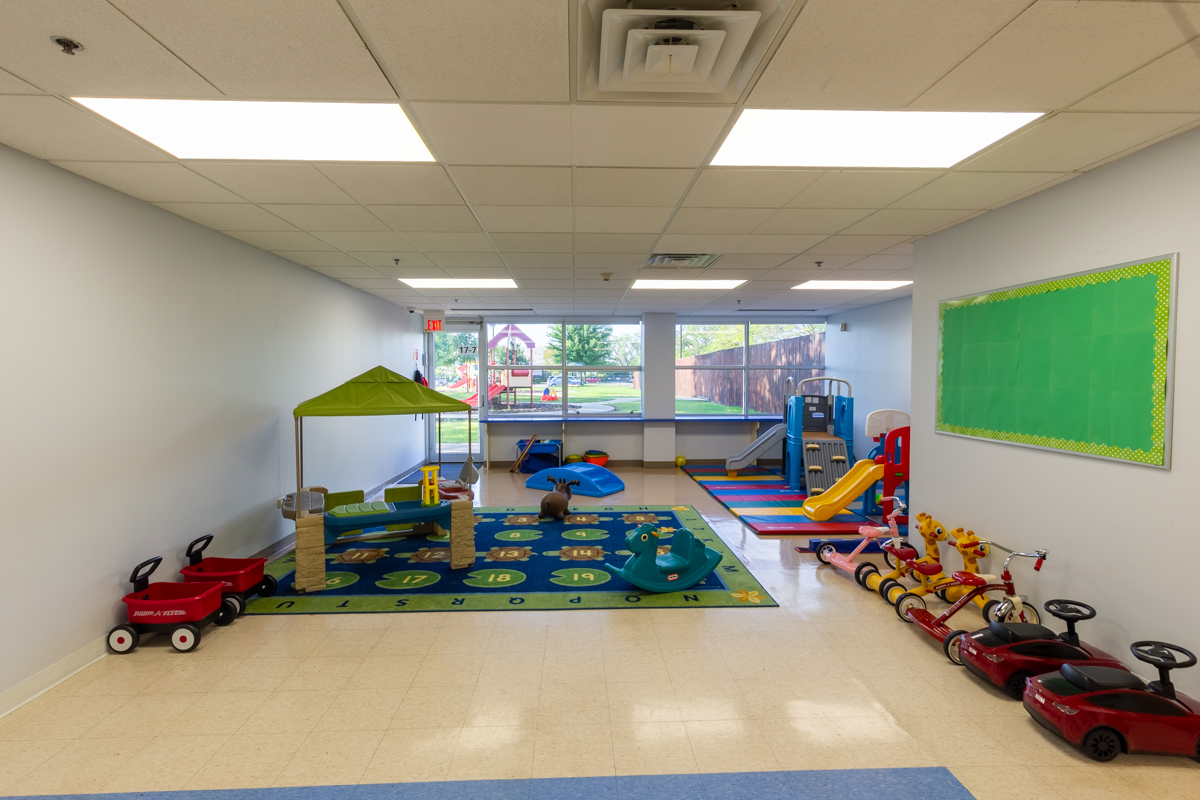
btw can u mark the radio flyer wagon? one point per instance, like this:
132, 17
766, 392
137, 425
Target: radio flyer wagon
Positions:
242, 578
180, 609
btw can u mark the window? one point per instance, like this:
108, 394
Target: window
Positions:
575, 369
744, 369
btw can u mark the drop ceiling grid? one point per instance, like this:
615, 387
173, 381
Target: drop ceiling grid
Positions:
1104, 120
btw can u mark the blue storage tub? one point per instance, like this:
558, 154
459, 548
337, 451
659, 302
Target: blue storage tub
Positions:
541, 447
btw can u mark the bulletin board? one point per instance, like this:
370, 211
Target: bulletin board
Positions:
1081, 363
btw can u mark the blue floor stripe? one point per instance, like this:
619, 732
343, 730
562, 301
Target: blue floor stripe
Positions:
913, 783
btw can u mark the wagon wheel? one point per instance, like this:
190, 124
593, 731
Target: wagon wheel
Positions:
238, 602
227, 613
268, 587
122, 639
185, 638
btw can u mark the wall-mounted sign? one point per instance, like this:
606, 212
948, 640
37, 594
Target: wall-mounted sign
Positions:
468, 350
433, 324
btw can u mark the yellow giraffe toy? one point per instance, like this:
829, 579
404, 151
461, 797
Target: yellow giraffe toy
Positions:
932, 531
971, 548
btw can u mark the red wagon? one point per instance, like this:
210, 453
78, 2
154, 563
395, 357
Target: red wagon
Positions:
180, 609
242, 578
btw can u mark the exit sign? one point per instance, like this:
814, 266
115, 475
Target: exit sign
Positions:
433, 324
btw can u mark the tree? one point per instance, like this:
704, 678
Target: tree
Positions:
446, 355
627, 349
760, 334
586, 345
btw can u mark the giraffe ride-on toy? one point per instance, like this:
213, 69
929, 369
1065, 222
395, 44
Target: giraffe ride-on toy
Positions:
898, 553
687, 563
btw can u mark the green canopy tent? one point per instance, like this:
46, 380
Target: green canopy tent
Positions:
377, 392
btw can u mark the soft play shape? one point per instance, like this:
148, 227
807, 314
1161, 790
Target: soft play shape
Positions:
357, 516
594, 481
688, 563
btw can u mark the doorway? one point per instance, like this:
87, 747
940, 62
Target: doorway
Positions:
454, 372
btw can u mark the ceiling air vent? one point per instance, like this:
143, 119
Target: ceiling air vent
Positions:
682, 260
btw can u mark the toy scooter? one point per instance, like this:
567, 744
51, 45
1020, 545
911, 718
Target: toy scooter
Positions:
1009, 653
897, 552
828, 554
688, 563
1015, 611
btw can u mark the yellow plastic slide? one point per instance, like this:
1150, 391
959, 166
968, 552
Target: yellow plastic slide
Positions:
860, 477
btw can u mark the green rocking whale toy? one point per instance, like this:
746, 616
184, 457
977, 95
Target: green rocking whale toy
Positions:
688, 563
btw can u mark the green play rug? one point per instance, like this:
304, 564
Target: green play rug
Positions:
521, 564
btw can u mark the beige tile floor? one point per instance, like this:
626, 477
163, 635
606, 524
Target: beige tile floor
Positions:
831, 679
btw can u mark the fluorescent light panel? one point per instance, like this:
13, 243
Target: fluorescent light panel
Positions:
460, 283
693, 284
915, 139
878, 286
260, 131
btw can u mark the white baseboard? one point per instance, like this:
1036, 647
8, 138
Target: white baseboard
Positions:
14, 697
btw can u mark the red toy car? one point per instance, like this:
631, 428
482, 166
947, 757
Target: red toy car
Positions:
1008, 653
1106, 711
180, 609
242, 577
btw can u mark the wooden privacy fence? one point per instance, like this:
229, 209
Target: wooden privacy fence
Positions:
765, 386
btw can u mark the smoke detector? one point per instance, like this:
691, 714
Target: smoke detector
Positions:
682, 260
652, 50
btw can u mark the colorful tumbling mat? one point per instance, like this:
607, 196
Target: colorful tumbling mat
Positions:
762, 500
521, 564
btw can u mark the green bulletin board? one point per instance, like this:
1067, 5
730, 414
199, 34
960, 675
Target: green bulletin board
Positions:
1079, 363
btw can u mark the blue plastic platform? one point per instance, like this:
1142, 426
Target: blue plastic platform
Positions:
594, 480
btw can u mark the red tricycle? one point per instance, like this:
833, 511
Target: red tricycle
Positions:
242, 577
180, 609
1011, 609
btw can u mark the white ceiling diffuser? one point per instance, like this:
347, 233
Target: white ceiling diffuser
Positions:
672, 50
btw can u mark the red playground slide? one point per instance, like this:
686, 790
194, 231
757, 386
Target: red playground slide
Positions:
493, 390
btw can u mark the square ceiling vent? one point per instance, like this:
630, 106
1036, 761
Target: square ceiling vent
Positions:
682, 260
653, 51
672, 50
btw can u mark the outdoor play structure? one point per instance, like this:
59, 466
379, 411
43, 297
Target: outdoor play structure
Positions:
506, 375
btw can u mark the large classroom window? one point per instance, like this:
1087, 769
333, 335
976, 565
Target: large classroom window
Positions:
561, 369
743, 368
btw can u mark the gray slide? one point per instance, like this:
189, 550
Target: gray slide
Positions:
759, 446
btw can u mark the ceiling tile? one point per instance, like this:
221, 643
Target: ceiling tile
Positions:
718, 220
478, 272
882, 262
752, 261
394, 184
463, 133
609, 261
870, 189
614, 242
119, 59
452, 258
538, 261
273, 183
853, 245
532, 242
630, 187
472, 49
708, 243
451, 242
343, 273
327, 217
157, 182
726, 187
1172, 83
448, 219
364, 240
429, 270
608, 219
280, 240
320, 258
49, 128
228, 216
1075, 141
867, 54
526, 219
11, 84
515, 186
976, 189
1057, 52
378, 282
388, 258
811, 220
617, 136
912, 222
267, 48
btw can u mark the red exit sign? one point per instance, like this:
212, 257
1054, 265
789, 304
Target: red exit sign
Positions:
433, 325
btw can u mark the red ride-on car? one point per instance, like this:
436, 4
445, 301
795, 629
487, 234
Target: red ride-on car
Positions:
1008, 653
1106, 711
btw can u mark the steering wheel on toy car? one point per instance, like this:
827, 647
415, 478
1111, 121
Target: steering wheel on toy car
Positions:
1069, 610
1162, 655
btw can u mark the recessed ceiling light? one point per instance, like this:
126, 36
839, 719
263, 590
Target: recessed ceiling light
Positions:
878, 286
916, 139
722, 285
460, 283
262, 131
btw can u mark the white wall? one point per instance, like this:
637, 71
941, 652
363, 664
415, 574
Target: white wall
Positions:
1121, 537
150, 367
874, 353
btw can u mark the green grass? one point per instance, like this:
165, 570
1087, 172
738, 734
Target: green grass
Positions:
687, 407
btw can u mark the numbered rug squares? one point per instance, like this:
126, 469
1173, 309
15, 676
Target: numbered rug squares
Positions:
521, 564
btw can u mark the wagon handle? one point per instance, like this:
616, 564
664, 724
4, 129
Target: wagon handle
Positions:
142, 580
195, 554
